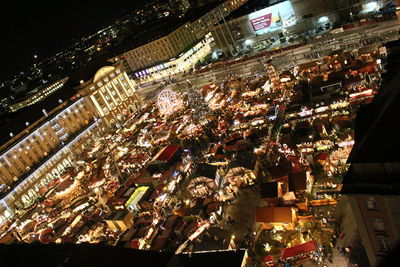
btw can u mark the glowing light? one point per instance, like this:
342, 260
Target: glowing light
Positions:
248, 42
267, 247
364, 93
323, 19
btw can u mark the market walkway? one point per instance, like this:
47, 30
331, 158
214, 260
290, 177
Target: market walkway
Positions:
242, 211
348, 227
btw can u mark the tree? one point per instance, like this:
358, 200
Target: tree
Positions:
196, 103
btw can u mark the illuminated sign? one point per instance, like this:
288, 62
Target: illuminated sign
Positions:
273, 18
261, 22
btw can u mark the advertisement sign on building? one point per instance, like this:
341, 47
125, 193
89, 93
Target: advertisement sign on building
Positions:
261, 22
273, 18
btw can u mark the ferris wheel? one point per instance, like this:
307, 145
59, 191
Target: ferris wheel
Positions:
168, 101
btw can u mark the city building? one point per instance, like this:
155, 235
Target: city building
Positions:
179, 5
161, 49
285, 20
175, 38
183, 63
33, 158
112, 94
36, 95
371, 184
36, 156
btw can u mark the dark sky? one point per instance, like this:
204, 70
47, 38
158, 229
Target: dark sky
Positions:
46, 27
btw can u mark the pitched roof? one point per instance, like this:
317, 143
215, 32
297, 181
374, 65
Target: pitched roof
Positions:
274, 214
282, 169
166, 154
246, 160
298, 249
269, 190
205, 170
298, 181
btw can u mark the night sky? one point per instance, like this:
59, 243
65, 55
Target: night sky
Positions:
44, 28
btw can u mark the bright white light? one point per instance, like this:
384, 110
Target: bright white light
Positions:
370, 7
323, 19
378, 61
248, 42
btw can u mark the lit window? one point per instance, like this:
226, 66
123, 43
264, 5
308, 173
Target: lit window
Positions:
378, 225
384, 245
372, 203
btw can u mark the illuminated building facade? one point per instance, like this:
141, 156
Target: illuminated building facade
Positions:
112, 94
288, 19
184, 62
173, 44
40, 153
161, 49
40, 95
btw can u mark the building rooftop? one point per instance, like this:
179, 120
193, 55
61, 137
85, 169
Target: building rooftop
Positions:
274, 214
297, 181
376, 140
269, 190
374, 157
205, 170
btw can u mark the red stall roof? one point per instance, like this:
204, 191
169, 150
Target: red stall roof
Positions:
297, 250
166, 153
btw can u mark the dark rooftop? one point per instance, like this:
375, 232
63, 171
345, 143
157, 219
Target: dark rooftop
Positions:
374, 157
269, 190
297, 181
205, 170
247, 160
102, 255
376, 140
370, 178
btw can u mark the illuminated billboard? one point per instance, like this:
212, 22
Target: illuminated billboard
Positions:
273, 18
